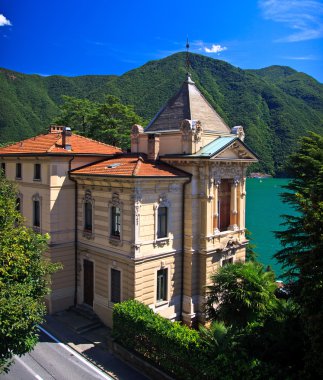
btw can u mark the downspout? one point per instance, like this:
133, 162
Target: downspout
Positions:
183, 243
75, 228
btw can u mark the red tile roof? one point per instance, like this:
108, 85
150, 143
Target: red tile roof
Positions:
51, 143
129, 165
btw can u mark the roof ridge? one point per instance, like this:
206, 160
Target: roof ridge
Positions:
96, 141
137, 167
54, 145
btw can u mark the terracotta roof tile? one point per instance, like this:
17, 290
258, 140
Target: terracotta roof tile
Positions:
130, 166
52, 143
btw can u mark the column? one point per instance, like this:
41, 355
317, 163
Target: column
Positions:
234, 205
217, 183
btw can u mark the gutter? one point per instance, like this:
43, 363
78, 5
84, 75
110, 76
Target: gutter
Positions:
75, 228
183, 243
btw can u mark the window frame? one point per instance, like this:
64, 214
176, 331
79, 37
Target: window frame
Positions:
37, 172
36, 199
162, 203
88, 225
162, 222
118, 299
162, 285
115, 222
18, 170
114, 204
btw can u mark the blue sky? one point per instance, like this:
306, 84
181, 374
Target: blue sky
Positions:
71, 37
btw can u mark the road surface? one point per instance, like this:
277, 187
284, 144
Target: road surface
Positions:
52, 360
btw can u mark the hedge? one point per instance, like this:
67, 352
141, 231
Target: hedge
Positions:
171, 346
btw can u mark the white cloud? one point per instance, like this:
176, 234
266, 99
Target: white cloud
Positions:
214, 49
305, 17
4, 21
303, 58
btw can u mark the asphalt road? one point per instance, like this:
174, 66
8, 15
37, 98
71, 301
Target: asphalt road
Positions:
51, 360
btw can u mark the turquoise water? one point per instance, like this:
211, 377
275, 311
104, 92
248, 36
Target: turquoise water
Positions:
263, 216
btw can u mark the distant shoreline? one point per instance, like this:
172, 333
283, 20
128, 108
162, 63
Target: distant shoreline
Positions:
259, 175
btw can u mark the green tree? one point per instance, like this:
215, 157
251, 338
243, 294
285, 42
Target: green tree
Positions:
109, 122
241, 293
112, 122
24, 279
77, 114
302, 240
251, 255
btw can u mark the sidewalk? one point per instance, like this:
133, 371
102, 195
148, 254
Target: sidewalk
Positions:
91, 341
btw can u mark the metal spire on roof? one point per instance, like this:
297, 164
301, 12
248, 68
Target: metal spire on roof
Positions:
188, 63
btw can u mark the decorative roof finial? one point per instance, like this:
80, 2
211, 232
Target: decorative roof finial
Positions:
188, 63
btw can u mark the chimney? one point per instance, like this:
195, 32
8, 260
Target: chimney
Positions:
56, 128
136, 130
66, 138
153, 146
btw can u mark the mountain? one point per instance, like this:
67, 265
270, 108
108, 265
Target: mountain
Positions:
275, 105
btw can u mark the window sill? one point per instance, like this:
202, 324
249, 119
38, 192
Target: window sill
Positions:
161, 303
37, 179
18, 178
115, 240
161, 242
88, 234
36, 229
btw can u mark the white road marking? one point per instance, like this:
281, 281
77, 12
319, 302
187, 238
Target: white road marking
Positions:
76, 354
30, 370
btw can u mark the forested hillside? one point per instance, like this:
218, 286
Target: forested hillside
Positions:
276, 105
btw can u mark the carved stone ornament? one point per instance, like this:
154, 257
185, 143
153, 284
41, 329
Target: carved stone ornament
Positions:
174, 188
88, 196
115, 199
136, 129
186, 126
198, 130
163, 201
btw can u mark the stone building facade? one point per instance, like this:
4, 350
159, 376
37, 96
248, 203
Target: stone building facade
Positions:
152, 224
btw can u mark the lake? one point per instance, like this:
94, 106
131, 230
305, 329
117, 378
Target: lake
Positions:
263, 216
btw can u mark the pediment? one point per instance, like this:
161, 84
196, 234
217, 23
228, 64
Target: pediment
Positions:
236, 151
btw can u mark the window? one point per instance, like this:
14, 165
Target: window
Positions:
37, 172
18, 170
224, 205
227, 261
88, 215
36, 213
115, 286
161, 285
18, 204
115, 221
3, 168
162, 222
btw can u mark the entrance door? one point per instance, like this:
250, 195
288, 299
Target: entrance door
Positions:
88, 282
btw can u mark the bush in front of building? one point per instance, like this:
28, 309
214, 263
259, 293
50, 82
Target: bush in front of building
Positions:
173, 347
